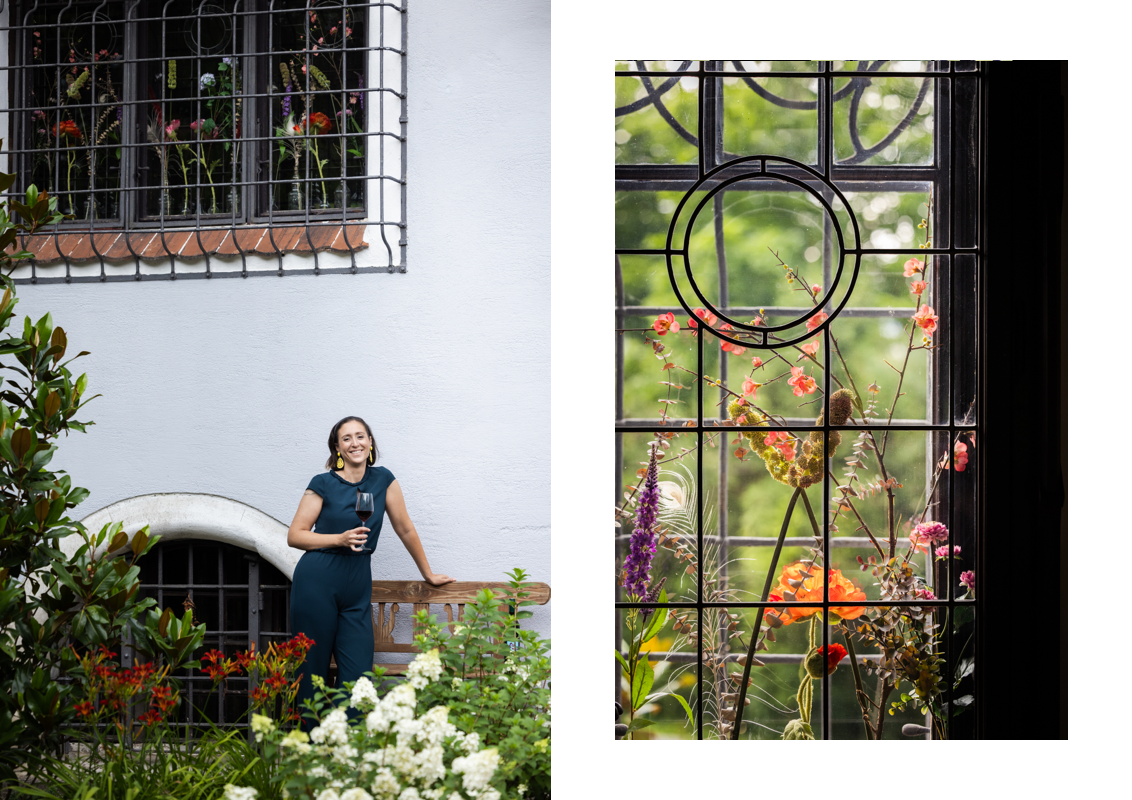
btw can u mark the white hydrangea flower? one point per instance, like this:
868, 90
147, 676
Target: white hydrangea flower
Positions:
333, 729
455, 796
430, 765
261, 725
433, 794
471, 743
457, 681
426, 667
297, 740
356, 794
477, 768
435, 727
407, 730
409, 794
403, 760
345, 754
329, 794
239, 792
385, 785
363, 695
522, 789
374, 756
318, 771
489, 794
376, 721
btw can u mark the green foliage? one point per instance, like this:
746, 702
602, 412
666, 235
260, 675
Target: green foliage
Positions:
500, 693
51, 603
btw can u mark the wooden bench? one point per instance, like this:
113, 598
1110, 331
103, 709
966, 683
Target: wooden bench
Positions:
390, 596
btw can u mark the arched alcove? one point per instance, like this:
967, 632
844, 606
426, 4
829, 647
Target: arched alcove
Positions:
184, 515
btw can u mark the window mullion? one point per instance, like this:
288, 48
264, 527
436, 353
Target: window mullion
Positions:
130, 167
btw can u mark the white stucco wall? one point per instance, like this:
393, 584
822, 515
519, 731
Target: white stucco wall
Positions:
229, 387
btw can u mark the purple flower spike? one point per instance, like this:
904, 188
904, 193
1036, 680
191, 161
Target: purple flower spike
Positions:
642, 544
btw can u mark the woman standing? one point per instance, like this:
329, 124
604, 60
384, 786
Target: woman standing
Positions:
330, 591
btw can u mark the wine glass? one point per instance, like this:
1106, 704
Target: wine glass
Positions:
363, 508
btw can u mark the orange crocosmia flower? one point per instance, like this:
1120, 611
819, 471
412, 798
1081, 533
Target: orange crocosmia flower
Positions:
912, 266
815, 320
841, 590
803, 384
926, 318
812, 347
917, 288
665, 323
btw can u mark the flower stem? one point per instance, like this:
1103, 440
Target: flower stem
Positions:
862, 698
739, 704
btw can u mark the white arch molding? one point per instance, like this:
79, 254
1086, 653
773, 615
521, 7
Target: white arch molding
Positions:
185, 515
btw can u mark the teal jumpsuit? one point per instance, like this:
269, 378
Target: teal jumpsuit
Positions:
330, 590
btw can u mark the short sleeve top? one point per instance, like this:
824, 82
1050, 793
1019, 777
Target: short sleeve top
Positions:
339, 500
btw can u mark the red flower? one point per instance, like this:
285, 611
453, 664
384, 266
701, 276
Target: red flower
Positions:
960, 457
68, 128
728, 347
319, 122
85, 709
927, 319
815, 320
803, 384
665, 323
704, 315
833, 657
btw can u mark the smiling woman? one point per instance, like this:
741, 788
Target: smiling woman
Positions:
332, 582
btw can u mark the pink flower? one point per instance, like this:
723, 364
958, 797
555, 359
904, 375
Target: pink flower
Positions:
926, 318
756, 362
783, 442
816, 289
665, 323
812, 347
967, 580
917, 288
815, 320
171, 129
704, 315
960, 457
942, 552
928, 533
749, 387
757, 321
727, 346
912, 266
803, 384
925, 594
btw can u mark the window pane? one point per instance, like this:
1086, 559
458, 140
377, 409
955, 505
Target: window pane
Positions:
318, 64
194, 78
74, 103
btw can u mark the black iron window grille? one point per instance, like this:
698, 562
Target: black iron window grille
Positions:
739, 184
241, 598
209, 140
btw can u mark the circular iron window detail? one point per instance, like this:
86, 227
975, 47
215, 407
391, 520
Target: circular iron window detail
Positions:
756, 168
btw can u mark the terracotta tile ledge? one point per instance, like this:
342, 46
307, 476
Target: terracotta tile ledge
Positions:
115, 246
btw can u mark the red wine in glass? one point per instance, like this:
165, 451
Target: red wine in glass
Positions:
364, 509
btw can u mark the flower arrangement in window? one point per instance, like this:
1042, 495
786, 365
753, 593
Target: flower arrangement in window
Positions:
76, 122
890, 632
319, 102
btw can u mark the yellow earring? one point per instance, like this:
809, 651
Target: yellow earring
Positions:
372, 458
339, 464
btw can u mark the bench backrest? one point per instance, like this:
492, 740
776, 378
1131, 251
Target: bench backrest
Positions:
390, 596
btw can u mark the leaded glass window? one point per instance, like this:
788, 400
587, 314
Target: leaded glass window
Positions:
796, 268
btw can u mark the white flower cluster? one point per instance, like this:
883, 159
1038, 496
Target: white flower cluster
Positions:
426, 667
364, 695
333, 729
239, 792
397, 706
478, 769
261, 725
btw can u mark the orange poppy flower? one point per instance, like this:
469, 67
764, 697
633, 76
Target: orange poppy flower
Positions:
841, 590
319, 123
68, 128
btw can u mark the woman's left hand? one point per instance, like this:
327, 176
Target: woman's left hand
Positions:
438, 580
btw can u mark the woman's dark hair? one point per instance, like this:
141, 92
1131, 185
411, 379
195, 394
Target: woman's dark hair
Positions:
332, 442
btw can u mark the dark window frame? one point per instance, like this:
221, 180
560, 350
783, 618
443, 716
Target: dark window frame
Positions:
943, 174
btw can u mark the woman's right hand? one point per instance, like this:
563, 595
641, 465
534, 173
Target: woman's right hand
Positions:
355, 539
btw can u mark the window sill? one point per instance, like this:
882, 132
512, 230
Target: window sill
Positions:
123, 246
